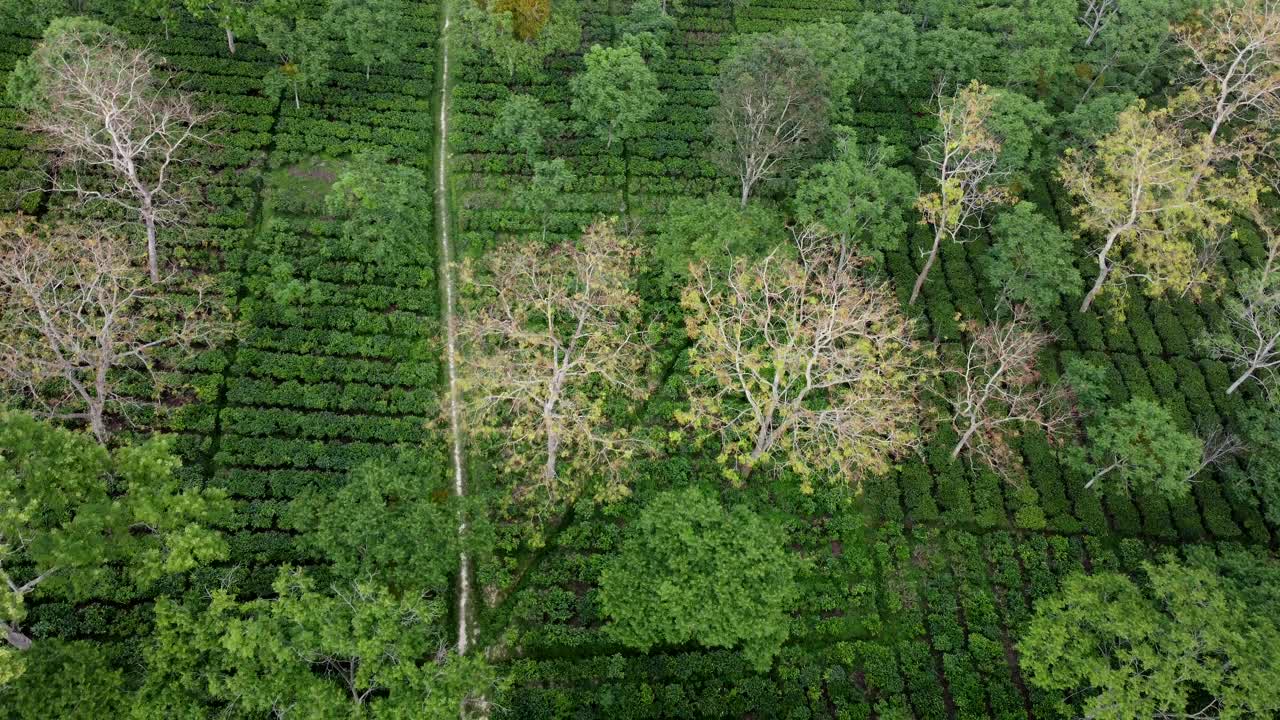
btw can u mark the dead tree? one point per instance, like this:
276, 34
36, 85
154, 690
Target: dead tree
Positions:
118, 127
963, 159
552, 334
801, 362
76, 313
998, 390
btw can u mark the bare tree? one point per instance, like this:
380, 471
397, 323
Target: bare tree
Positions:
1250, 339
1233, 53
962, 158
76, 314
999, 390
771, 100
553, 334
803, 359
1095, 16
104, 109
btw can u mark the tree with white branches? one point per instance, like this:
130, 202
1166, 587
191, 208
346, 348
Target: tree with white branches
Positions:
998, 390
802, 360
554, 334
962, 159
1250, 339
1233, 59
119, 128
1094, 17
75, 312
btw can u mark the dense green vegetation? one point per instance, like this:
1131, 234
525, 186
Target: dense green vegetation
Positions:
640, 358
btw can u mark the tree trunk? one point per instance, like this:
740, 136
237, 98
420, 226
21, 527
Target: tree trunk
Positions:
928, 264
964, 441
1104, 270
231, 41
297, 105
746, 193
15, 638
153, 261
1240, 380
97, 422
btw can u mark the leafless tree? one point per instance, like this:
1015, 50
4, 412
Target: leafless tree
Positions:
552, 332
1250, 339
75, 313
1095, 16
1218, 446
999, 390
962, 158
771, 100
1233, 55
802, 359
105, 110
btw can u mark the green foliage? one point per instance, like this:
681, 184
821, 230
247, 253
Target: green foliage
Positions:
396, 520
1020, 124
711, 230
299, 41
493, 32
692, 570
374, 30
545, 191
384, 207
887, 42
26, 85
71, 510
859, 196
1031, 261
69, 680
1139, 446
615, 93
1190, 640
1261, 435
355, 650
524, 125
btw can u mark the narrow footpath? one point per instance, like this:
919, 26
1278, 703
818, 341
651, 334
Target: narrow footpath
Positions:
445, 252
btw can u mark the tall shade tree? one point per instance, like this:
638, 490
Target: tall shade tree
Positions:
998, 391
105, 110
772, 97
1191, 642
524, 124
801, 360
230, 15
545, 192
1031, 261
376, 31
300, 43
615, 93
354, 649
962, 163
495, 31
555, 336
383, 206
1249, 339
73, 511
859, 197
1233, 63
1137, 192
1139, 446
692, 570
75, 313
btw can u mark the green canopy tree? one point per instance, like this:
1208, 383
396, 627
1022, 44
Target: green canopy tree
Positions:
1138, 444
375, 30
524, 124
384, 207
859, 196
1031, 261
691, 570
69, 510
714, 230
545, 191
887, 42
615, 93
354, 650
1191, 642
300, 42
230, 15
493, 31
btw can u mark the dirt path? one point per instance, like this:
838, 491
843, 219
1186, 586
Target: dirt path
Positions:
465, 628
